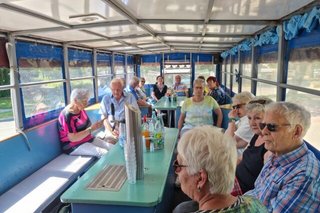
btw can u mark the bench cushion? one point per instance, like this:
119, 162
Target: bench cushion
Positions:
39, 189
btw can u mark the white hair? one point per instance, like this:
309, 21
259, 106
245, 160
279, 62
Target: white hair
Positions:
79, 94
243, 97
206, 147
134, 80
293, 113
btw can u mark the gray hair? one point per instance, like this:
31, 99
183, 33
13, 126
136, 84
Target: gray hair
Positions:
206, 147
134, 80
79, 94
199, 81
257, 104
243, 97
117, 81
293, 113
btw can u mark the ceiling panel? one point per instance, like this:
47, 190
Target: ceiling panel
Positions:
123, 48
63, 9
255, 9
106, 43
216, 39
163, 28
14, 21
175, 38
123, 30
67, 35
234, 28
166, 9
141, 40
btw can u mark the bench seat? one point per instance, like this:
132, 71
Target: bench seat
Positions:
38, 190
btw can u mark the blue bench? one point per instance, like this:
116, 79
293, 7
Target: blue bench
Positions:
31, 179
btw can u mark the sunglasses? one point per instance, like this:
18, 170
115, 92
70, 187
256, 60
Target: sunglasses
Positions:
238, 106
271, 127
176, 165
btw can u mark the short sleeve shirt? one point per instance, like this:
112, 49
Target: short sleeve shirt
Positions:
199, 113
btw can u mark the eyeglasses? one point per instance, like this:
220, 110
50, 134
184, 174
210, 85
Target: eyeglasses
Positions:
271, 127
238, 106
177, 166
143, 81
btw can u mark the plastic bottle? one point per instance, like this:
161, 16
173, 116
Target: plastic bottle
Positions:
145, 133
158, 139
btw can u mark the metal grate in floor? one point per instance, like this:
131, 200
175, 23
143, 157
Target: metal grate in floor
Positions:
110, 178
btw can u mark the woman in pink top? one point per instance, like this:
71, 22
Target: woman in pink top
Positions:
75, 128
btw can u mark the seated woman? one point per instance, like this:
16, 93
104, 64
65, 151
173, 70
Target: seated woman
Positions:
159, 89
238, 126
205, 166
75, 128
254, 155
141, 90
198, 110
216, 92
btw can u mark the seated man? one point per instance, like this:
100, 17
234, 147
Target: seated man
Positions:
179, 88
132, 88
198, 110
118, 98
289, 181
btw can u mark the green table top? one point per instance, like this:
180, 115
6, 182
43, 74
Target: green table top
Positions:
164, 104
147, 192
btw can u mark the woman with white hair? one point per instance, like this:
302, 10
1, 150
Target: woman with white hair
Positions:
205, 166
75, 128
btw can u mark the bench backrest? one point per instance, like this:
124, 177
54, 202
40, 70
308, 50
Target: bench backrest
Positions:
18, 162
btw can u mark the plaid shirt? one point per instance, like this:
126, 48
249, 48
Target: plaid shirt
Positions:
290, 182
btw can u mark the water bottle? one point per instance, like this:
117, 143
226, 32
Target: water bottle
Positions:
131, 162
145, 133
122, 134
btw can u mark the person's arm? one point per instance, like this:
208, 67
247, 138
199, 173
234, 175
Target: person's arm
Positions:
181, 121
78, 136
300, 193
153, 94
219, 116
240, 142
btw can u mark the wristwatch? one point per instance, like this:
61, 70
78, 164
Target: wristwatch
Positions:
232, 120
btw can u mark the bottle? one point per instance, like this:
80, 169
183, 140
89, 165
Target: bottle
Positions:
158, 144
122, 134
145, 133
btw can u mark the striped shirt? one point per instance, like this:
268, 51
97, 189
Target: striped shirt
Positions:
72, 123
243, 204
290, 182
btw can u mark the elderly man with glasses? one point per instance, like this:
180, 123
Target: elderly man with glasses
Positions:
290, 179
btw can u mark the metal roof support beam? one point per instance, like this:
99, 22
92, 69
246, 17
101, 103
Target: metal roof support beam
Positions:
210, 22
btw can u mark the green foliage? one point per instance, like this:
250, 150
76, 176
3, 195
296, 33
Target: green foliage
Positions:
4, 80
